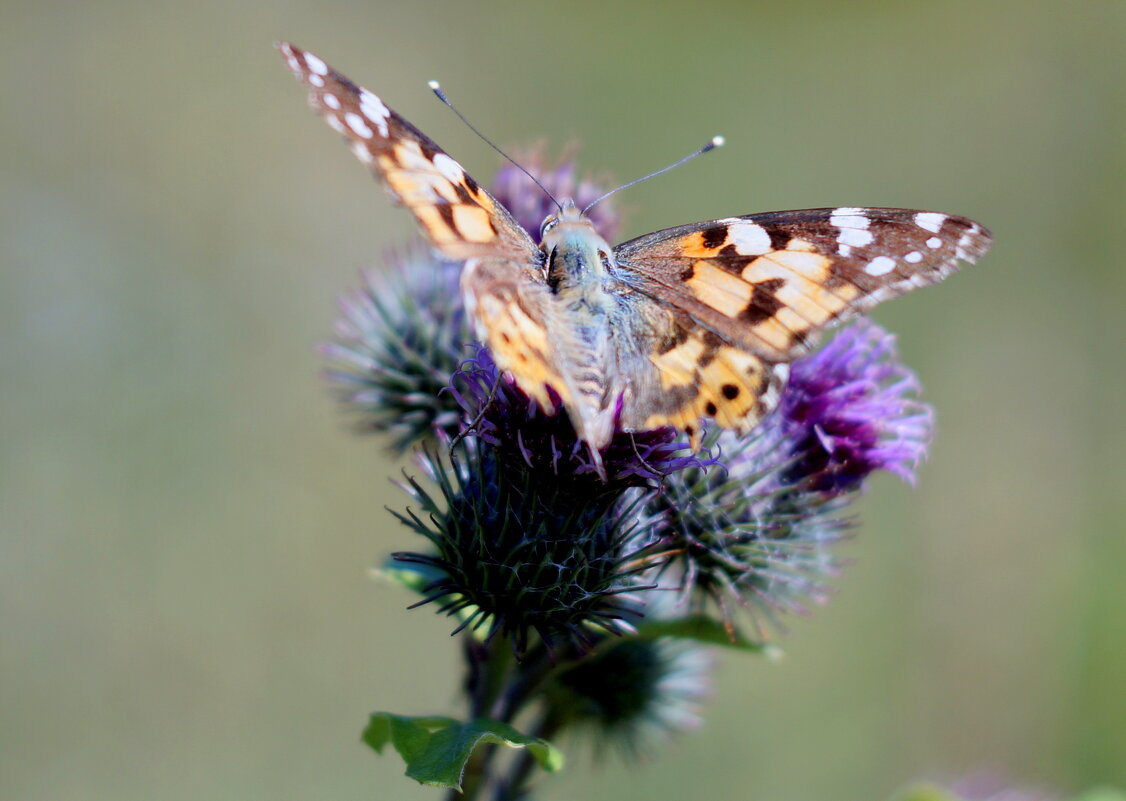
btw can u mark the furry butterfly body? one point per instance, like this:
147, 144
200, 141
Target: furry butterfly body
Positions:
686, 325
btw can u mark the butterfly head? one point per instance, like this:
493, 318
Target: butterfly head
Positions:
576, 254
569, 222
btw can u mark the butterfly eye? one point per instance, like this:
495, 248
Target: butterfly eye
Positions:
548, 223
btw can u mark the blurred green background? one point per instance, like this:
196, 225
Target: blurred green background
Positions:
187, 520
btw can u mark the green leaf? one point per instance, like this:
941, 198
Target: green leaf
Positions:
437, 748
704, 629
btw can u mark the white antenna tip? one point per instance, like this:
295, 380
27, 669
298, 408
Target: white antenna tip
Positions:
433, 85
718, 141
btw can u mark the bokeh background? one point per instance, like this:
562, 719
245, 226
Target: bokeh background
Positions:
187, 521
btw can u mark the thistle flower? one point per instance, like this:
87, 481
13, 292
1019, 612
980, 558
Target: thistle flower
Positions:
632, 692
518, 556
849, 410
523, 433
527, 536
756, 534
398, 339
530, 205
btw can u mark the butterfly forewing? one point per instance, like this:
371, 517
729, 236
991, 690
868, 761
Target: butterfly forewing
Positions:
460, 218
769, 283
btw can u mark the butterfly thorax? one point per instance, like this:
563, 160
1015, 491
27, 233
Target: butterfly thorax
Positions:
578, 264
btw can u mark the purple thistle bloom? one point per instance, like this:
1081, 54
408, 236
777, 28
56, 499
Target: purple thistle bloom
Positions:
517, 427
530, 206
757, 532
850, 410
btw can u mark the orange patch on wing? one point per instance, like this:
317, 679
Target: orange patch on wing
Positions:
715, 287
519, 346
776, 333
804, 274
728, 381
473, 223
694, 246
677, 367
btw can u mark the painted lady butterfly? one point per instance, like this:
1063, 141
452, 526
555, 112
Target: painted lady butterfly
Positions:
684, 325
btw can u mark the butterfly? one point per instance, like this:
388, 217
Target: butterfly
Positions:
680, 327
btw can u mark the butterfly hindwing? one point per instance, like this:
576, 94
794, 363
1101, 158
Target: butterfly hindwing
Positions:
769, 283
511, 307
459, 217
683, 374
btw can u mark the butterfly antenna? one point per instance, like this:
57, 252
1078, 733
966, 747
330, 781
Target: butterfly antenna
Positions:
716, 141
434, 87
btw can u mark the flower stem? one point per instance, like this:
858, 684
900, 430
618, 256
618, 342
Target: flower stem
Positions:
490, 671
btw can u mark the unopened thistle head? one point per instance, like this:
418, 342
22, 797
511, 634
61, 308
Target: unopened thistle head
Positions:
631, 692
398, 339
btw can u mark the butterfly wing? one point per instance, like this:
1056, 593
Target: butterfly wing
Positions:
460, 218
674, 371
502, 280
750, 294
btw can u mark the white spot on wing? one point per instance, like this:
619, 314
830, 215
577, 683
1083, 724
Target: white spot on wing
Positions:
881, 265
849, 218
332, 101
315, 64
357, 124
934, 242
914, 257
749, 239
856, 237
931, 221
374, 110
962, 249
449, 168
316, 80
362, 153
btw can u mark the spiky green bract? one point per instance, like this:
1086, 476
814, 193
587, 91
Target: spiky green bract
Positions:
630, 691
519, 556
742, 540
756, 533
398, 339
528, 536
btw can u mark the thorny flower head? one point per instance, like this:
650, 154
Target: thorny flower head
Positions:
631, 692
398, 339
528, 537
525, 537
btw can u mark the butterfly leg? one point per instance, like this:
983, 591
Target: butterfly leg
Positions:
476, 421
